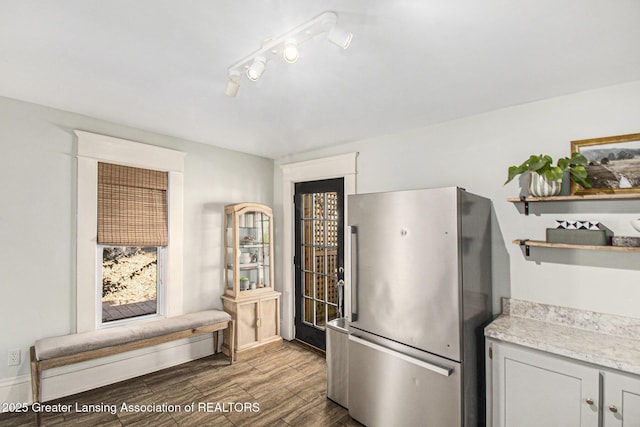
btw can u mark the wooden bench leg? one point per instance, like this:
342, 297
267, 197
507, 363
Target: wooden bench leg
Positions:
36, 382
215, 341
232, 345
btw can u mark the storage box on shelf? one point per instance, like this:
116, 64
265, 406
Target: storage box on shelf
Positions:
249, 295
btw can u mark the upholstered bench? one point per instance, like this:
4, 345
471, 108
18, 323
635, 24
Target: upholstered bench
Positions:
64, 350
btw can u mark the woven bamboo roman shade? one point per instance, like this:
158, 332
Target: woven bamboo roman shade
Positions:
132, 206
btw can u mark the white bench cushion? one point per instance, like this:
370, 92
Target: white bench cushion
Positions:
64, 345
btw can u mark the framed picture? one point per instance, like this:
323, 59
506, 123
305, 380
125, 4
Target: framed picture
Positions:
614, 164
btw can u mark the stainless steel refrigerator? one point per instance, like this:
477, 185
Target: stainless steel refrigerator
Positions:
420, 290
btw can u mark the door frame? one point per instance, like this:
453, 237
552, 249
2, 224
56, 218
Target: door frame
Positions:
341, 166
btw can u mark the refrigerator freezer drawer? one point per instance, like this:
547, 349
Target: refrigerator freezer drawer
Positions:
387, 387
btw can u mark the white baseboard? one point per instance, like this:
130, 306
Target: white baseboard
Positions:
15, 390
71, 379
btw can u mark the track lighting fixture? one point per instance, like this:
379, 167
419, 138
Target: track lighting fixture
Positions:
286, 45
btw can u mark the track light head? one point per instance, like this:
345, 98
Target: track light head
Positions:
290, 52
233, 84
340, 37
255, 70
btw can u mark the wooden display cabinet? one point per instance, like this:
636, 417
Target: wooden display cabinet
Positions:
249, 295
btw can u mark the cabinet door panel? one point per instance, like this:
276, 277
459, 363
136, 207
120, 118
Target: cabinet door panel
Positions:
621, 393
631, 407
268, 318
247, 318
532, 389
529, 388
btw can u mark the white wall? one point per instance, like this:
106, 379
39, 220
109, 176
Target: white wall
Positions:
37, 220
475, 152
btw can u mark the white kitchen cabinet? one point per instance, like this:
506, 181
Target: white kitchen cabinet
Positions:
533, 389
621, 402
530, 388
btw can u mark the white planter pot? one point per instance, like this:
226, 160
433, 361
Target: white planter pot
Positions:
539, 186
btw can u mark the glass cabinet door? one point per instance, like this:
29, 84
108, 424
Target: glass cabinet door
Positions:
248, 249
253, 254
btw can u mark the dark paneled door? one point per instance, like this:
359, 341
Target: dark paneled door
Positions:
319, 257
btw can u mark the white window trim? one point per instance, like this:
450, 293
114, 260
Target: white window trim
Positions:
341, 166
91, 149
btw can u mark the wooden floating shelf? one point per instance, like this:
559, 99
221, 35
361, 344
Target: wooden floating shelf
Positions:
619, 196
538, 243
574, 198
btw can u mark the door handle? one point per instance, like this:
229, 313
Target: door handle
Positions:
352, 251
340, 288
446, 372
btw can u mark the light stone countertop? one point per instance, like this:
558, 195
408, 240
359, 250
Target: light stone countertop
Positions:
597, 338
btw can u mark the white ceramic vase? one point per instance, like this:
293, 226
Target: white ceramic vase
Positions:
539, 186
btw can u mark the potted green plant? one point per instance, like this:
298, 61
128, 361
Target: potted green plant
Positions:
545, 178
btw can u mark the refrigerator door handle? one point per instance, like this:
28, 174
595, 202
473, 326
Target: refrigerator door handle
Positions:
420, 363
352, 269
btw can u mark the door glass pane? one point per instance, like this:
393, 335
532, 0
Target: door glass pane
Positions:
318, 233
332, 206
332, 261
307, 231
308, 258
332, 289
307, 206
332, 233
318, 265
308, 284
319, 288
332, 312
318, 205
320, 312
308, 310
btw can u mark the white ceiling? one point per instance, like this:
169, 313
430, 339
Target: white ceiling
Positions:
161, 65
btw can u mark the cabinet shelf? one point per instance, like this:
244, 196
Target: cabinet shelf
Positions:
249, 266
538, 243
254, 245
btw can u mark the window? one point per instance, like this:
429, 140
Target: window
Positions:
131, 282
132, 233
102, 242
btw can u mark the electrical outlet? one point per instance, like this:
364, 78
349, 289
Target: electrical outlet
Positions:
13, 357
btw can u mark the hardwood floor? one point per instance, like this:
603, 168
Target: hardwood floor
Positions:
282, 387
